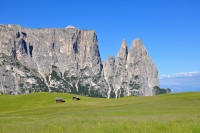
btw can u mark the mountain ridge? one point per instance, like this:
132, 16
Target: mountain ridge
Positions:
68, 60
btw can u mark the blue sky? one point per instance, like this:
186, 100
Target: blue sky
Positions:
181, 82
170, 29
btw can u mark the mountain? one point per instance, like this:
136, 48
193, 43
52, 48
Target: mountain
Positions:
68, 60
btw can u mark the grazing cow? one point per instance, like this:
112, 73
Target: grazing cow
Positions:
75, 98
59, 100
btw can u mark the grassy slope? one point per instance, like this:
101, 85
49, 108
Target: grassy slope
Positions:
172, 113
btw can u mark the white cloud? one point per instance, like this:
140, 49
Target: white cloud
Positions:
172, 83
183, 74
181, 82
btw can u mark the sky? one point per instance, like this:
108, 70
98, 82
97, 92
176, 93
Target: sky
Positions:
169, 29
181, 82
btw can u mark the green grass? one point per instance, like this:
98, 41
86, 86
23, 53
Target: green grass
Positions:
38, 113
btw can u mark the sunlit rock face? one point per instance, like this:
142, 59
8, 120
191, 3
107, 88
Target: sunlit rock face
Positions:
133, 72
140, 66
68, 60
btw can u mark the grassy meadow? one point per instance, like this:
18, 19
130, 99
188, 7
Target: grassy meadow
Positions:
38, 113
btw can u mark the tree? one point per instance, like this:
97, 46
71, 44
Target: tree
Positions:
159, 90
169, 90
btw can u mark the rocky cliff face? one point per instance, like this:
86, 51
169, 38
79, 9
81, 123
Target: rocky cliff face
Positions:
141, 67
68, 60
16, 78
133, 72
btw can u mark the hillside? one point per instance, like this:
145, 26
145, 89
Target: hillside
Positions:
38, 112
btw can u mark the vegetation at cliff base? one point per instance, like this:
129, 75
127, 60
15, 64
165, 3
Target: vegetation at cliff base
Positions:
38, 112
159, 90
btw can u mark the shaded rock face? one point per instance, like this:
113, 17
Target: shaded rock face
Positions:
68, 60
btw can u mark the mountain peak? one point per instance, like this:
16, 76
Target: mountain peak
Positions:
124, 44
123, 50
136, 42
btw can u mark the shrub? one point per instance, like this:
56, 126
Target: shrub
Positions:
34, 70
47, 78
26, 68
54, 75
5, 86
54, 66
17, 63
136, 77
21, 85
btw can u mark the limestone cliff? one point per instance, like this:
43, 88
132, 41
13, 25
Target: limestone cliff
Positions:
133, 72
16, 78
68, 60
140, 66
